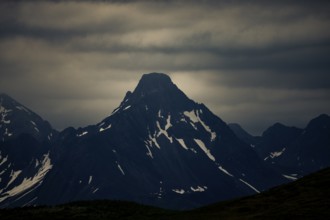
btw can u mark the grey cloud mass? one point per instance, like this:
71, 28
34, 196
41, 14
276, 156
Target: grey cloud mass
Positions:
251, 62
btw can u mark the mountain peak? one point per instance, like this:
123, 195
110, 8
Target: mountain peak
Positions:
154, 82
321, 121
158, 91
156, 76
16, 119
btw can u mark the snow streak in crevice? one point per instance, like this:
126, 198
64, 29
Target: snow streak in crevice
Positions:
30, 182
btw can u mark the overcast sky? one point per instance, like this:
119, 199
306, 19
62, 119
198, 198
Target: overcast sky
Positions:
250, 62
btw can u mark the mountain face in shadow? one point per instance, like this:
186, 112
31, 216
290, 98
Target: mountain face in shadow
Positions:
294, 152
25, 142
157, 148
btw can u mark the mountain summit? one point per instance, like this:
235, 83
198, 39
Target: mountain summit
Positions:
154, 82
16, 119
156, 90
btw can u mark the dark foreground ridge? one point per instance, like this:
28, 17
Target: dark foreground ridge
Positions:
306, 198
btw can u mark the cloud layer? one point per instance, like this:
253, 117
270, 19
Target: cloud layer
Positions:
250, 62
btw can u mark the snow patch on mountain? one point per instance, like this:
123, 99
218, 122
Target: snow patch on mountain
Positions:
149, 153
201, 144
225, 171
121, 169
115, 111
181, 142
275, 154
290, 177
29, 183
7, 133
106, 128
198, 189
179, 191
3, 160
4, 113
192, 189
82, 133
249, 185
127, 107
159, 114
152, 140
164, 132
194, 118
168, 122
37, 163
159, 193
13, 176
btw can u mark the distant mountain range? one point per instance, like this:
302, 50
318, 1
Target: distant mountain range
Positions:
158, 148
293, 152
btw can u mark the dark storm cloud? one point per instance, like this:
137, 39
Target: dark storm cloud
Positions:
73, 61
